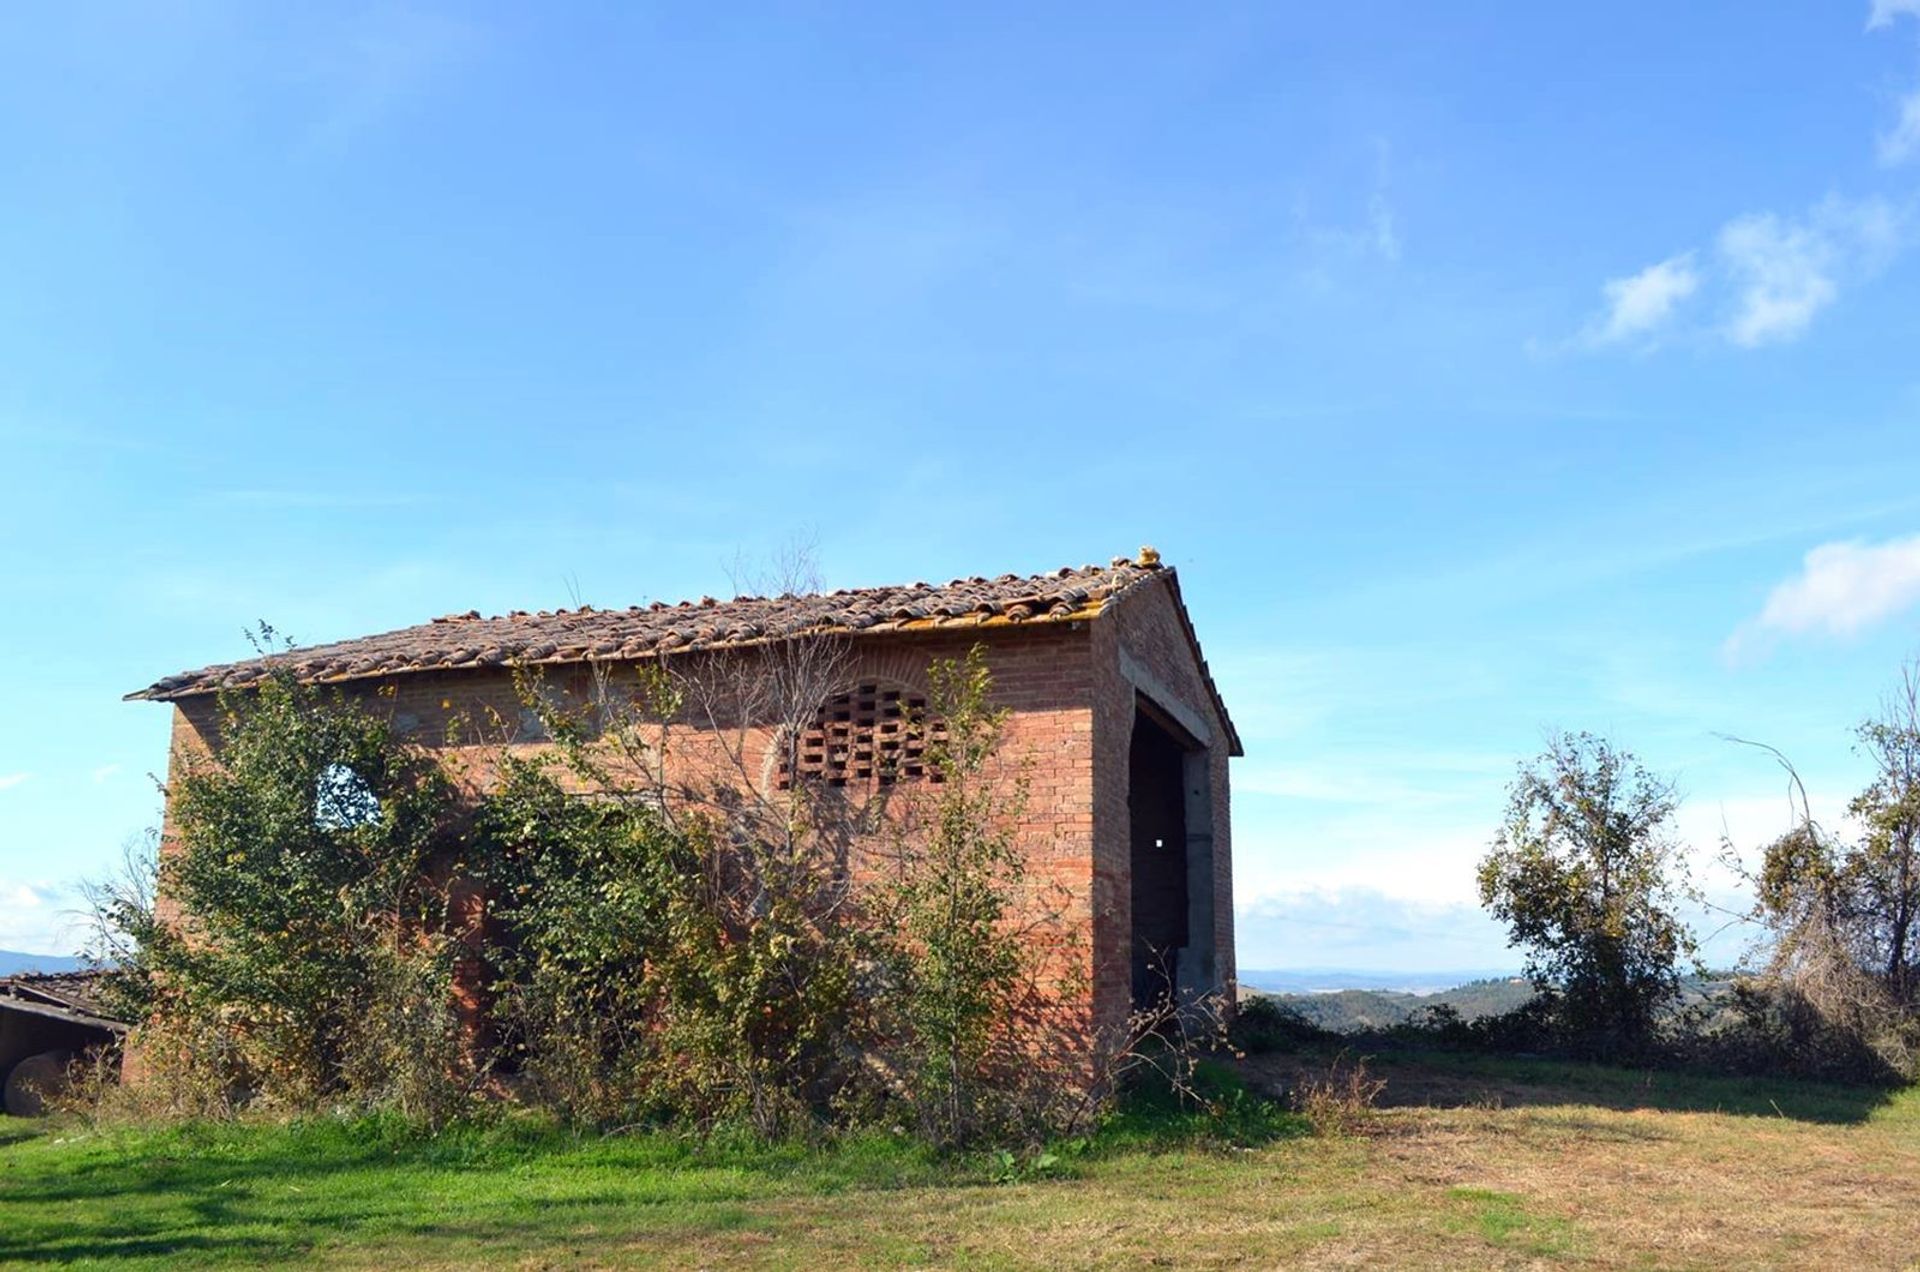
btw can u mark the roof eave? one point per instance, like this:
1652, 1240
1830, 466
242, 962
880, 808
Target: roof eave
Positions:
208, 687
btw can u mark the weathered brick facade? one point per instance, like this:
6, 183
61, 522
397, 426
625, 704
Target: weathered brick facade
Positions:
1113, 723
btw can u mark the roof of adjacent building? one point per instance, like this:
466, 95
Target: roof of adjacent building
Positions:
549, 637
73, 996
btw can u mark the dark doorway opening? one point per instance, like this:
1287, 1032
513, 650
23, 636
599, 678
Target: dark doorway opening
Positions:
1157, 811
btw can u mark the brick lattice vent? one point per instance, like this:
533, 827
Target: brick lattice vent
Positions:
873, 735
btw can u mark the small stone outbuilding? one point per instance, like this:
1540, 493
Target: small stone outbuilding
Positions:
1111, 707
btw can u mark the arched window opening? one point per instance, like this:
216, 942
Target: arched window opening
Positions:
873, 735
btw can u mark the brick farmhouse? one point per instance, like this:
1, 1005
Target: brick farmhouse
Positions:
1113, 718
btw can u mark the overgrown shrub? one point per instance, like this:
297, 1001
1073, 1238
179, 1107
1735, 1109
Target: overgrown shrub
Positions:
1768, 1028
609, 935
635, 979
301, 862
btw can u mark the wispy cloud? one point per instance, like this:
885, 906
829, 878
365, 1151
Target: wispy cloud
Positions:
1786, 270
1776, 273
1772, 274
10, 780
393, 52
1885, 11
286, 498
1639, 305
1841, 590
1365, 929
1902, 141
1375, 236
104, 772
1381, 228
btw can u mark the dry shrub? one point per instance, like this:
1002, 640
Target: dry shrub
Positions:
413, 1055
1341, 1100
171, 1067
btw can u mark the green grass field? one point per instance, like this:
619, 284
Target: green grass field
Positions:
1471, 1163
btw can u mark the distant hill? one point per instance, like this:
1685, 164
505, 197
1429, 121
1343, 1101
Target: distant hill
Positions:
1348, 1010
1356, 1010
1320, 980
13, 962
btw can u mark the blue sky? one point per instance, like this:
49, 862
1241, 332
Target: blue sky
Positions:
1485, 368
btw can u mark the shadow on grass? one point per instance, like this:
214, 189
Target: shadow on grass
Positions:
273, 1194
262, 1193
1444, 1079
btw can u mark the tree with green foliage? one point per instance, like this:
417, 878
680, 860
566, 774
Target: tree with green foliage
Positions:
1582, 874
301, 861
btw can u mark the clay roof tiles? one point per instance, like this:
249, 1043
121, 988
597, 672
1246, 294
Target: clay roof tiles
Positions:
585, 634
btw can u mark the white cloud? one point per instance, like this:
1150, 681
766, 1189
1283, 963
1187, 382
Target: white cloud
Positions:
1773, 274
1903, 142
1785, 270
1640, 304
1365, 929
10, 780
1842, 589
1373, 847
104, 772
1885, 11
1784, 273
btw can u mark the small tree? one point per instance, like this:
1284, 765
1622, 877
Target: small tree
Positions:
299, 861
1581, 875
959, 969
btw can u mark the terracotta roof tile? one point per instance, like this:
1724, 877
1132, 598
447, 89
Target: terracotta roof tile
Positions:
585, 634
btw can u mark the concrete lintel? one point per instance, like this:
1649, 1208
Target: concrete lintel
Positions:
1143, 680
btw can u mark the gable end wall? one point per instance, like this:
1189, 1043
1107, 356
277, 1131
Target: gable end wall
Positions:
1141, 647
